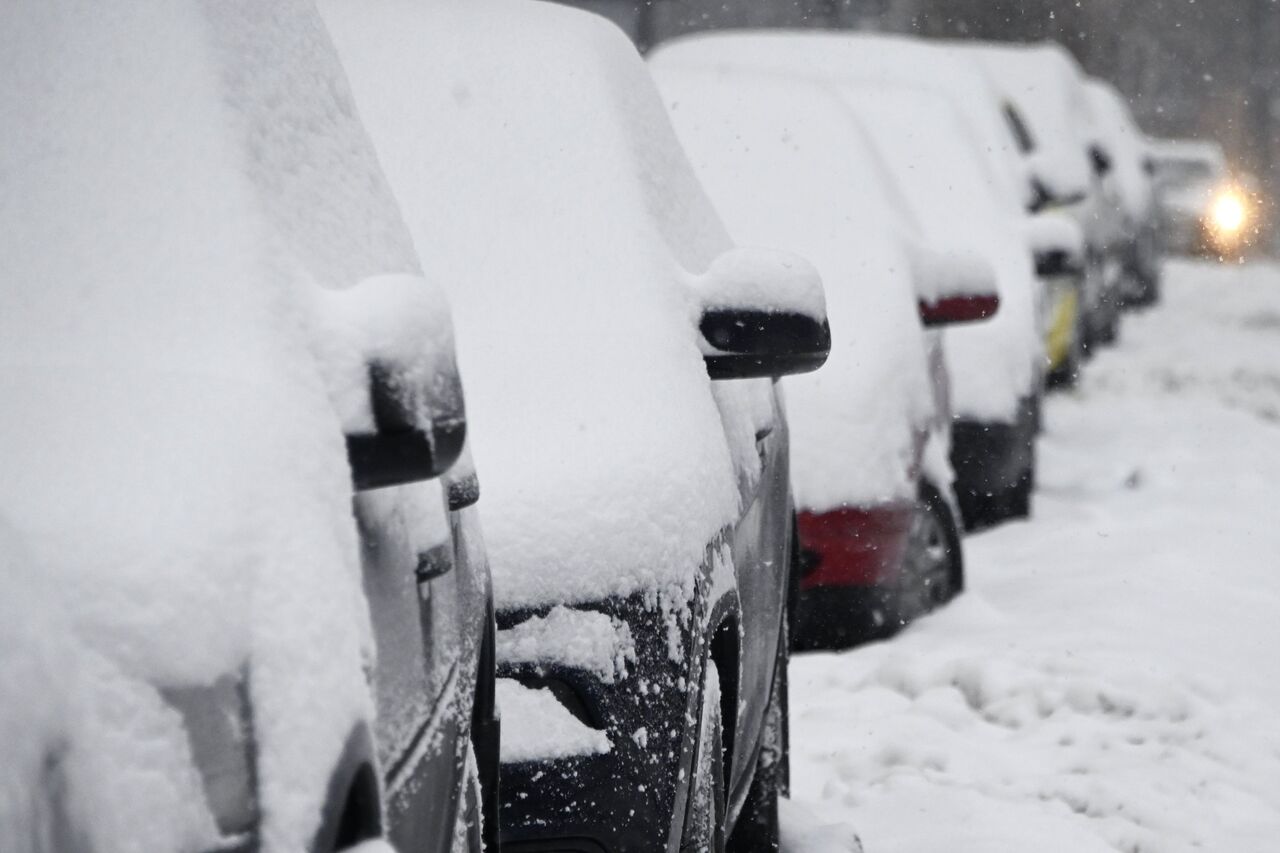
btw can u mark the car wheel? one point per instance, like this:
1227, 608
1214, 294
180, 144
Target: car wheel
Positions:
704, 817
757, 829
933, 571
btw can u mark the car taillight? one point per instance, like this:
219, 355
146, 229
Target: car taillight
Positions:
219, 728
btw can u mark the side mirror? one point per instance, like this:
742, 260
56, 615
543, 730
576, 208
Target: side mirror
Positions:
1049, 187
385, 350
1057, 244
763, 315
953, 286
400, 451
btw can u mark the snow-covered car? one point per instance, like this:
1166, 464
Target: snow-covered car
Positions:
1202, 210
877, 521
973, 199
1132, 190
622, 350
1048, 86
214, 335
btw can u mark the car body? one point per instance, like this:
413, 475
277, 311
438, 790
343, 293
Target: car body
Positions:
1202, 209
1047, 85
639, 536
871, 430
996, 368
1132, 190
229, 396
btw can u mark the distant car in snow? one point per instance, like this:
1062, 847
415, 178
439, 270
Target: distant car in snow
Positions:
214, 333
621, 354
1130, 180
1202, 209
951, 154
1069, 162
877, 520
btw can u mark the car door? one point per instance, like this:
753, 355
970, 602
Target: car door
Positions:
760, 554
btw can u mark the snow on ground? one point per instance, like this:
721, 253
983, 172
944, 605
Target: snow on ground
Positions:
1110, 681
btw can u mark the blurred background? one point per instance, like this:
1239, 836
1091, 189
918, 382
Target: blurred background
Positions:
1205, 70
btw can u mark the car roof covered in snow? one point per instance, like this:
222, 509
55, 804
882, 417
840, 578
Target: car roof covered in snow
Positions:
1047, 85
786, 162
874, 59
566, 223
172, 442
1126, 143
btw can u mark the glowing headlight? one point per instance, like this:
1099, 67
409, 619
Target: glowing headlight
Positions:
1228, 212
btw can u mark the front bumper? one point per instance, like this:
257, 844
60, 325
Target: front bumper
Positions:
992, 457
631, 798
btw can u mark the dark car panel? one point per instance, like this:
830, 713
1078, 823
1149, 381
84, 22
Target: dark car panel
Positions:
633, 797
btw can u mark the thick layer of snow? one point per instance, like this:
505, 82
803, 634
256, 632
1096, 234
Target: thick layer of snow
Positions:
186, 177
1110, 679
545, 188
536, 727
578, 639
762, 279
788, 165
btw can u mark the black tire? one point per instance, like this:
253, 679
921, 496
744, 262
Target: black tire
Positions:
705, 814
757, 829
933, 571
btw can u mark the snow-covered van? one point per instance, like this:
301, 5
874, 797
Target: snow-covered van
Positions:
620, 353
250, 613
877, 519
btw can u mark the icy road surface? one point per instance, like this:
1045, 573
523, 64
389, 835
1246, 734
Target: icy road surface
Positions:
1112, 679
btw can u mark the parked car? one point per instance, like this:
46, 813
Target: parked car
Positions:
214, 334
623, 352
974, 199
1070, 164
877, 519
1132, 191
1202, 209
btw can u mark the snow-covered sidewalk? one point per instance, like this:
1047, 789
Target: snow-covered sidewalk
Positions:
1112, 679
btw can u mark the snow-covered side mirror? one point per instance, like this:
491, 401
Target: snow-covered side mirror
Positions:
1057, 244
763, 314
953, 286
1053, 184
386, 350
